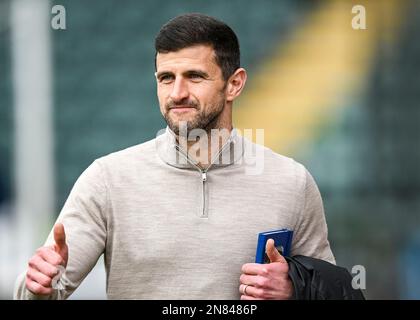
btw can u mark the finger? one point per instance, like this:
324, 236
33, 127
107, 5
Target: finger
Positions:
37, 263
254, 269
253, 292
36, 288
39, 277
272, 253
256, 281
244, 297
243, 289
50, 256
248, 279
59, 237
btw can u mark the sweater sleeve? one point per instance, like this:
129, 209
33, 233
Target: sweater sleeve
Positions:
85, 223
311, 231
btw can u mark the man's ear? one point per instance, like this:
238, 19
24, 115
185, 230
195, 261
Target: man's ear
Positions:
235, 84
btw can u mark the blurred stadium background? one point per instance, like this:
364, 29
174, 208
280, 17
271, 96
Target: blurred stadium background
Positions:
344, 102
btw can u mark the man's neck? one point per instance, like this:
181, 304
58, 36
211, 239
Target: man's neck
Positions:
205, 147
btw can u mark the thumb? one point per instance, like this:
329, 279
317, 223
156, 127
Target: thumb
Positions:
59, 238
272, 253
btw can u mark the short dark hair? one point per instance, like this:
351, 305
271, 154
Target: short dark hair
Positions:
193, 29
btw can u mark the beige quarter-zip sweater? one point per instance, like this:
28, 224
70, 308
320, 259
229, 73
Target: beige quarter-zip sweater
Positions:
169, 230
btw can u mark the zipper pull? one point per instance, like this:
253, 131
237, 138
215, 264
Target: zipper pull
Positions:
204, 176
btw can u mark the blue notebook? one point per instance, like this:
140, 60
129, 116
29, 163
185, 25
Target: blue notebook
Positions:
282, 240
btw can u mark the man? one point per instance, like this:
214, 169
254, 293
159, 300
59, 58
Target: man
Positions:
179, 222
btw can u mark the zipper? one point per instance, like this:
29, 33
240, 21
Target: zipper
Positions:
204, 204
204, 210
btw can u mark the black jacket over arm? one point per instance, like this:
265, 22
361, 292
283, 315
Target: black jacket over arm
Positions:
315, 279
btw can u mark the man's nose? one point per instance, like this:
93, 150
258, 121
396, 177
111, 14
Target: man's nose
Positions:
179, 90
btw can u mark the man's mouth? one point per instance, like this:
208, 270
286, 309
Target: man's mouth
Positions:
181, 108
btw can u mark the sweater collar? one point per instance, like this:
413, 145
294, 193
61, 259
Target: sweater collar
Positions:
172, 153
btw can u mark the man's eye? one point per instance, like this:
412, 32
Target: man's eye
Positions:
165, 79
195, 76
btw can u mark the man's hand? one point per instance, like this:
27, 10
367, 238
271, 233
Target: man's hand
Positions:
266, 281
43, 266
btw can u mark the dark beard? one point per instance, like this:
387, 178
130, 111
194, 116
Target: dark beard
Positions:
203, 120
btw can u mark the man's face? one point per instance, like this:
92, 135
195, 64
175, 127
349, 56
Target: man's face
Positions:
190, 88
